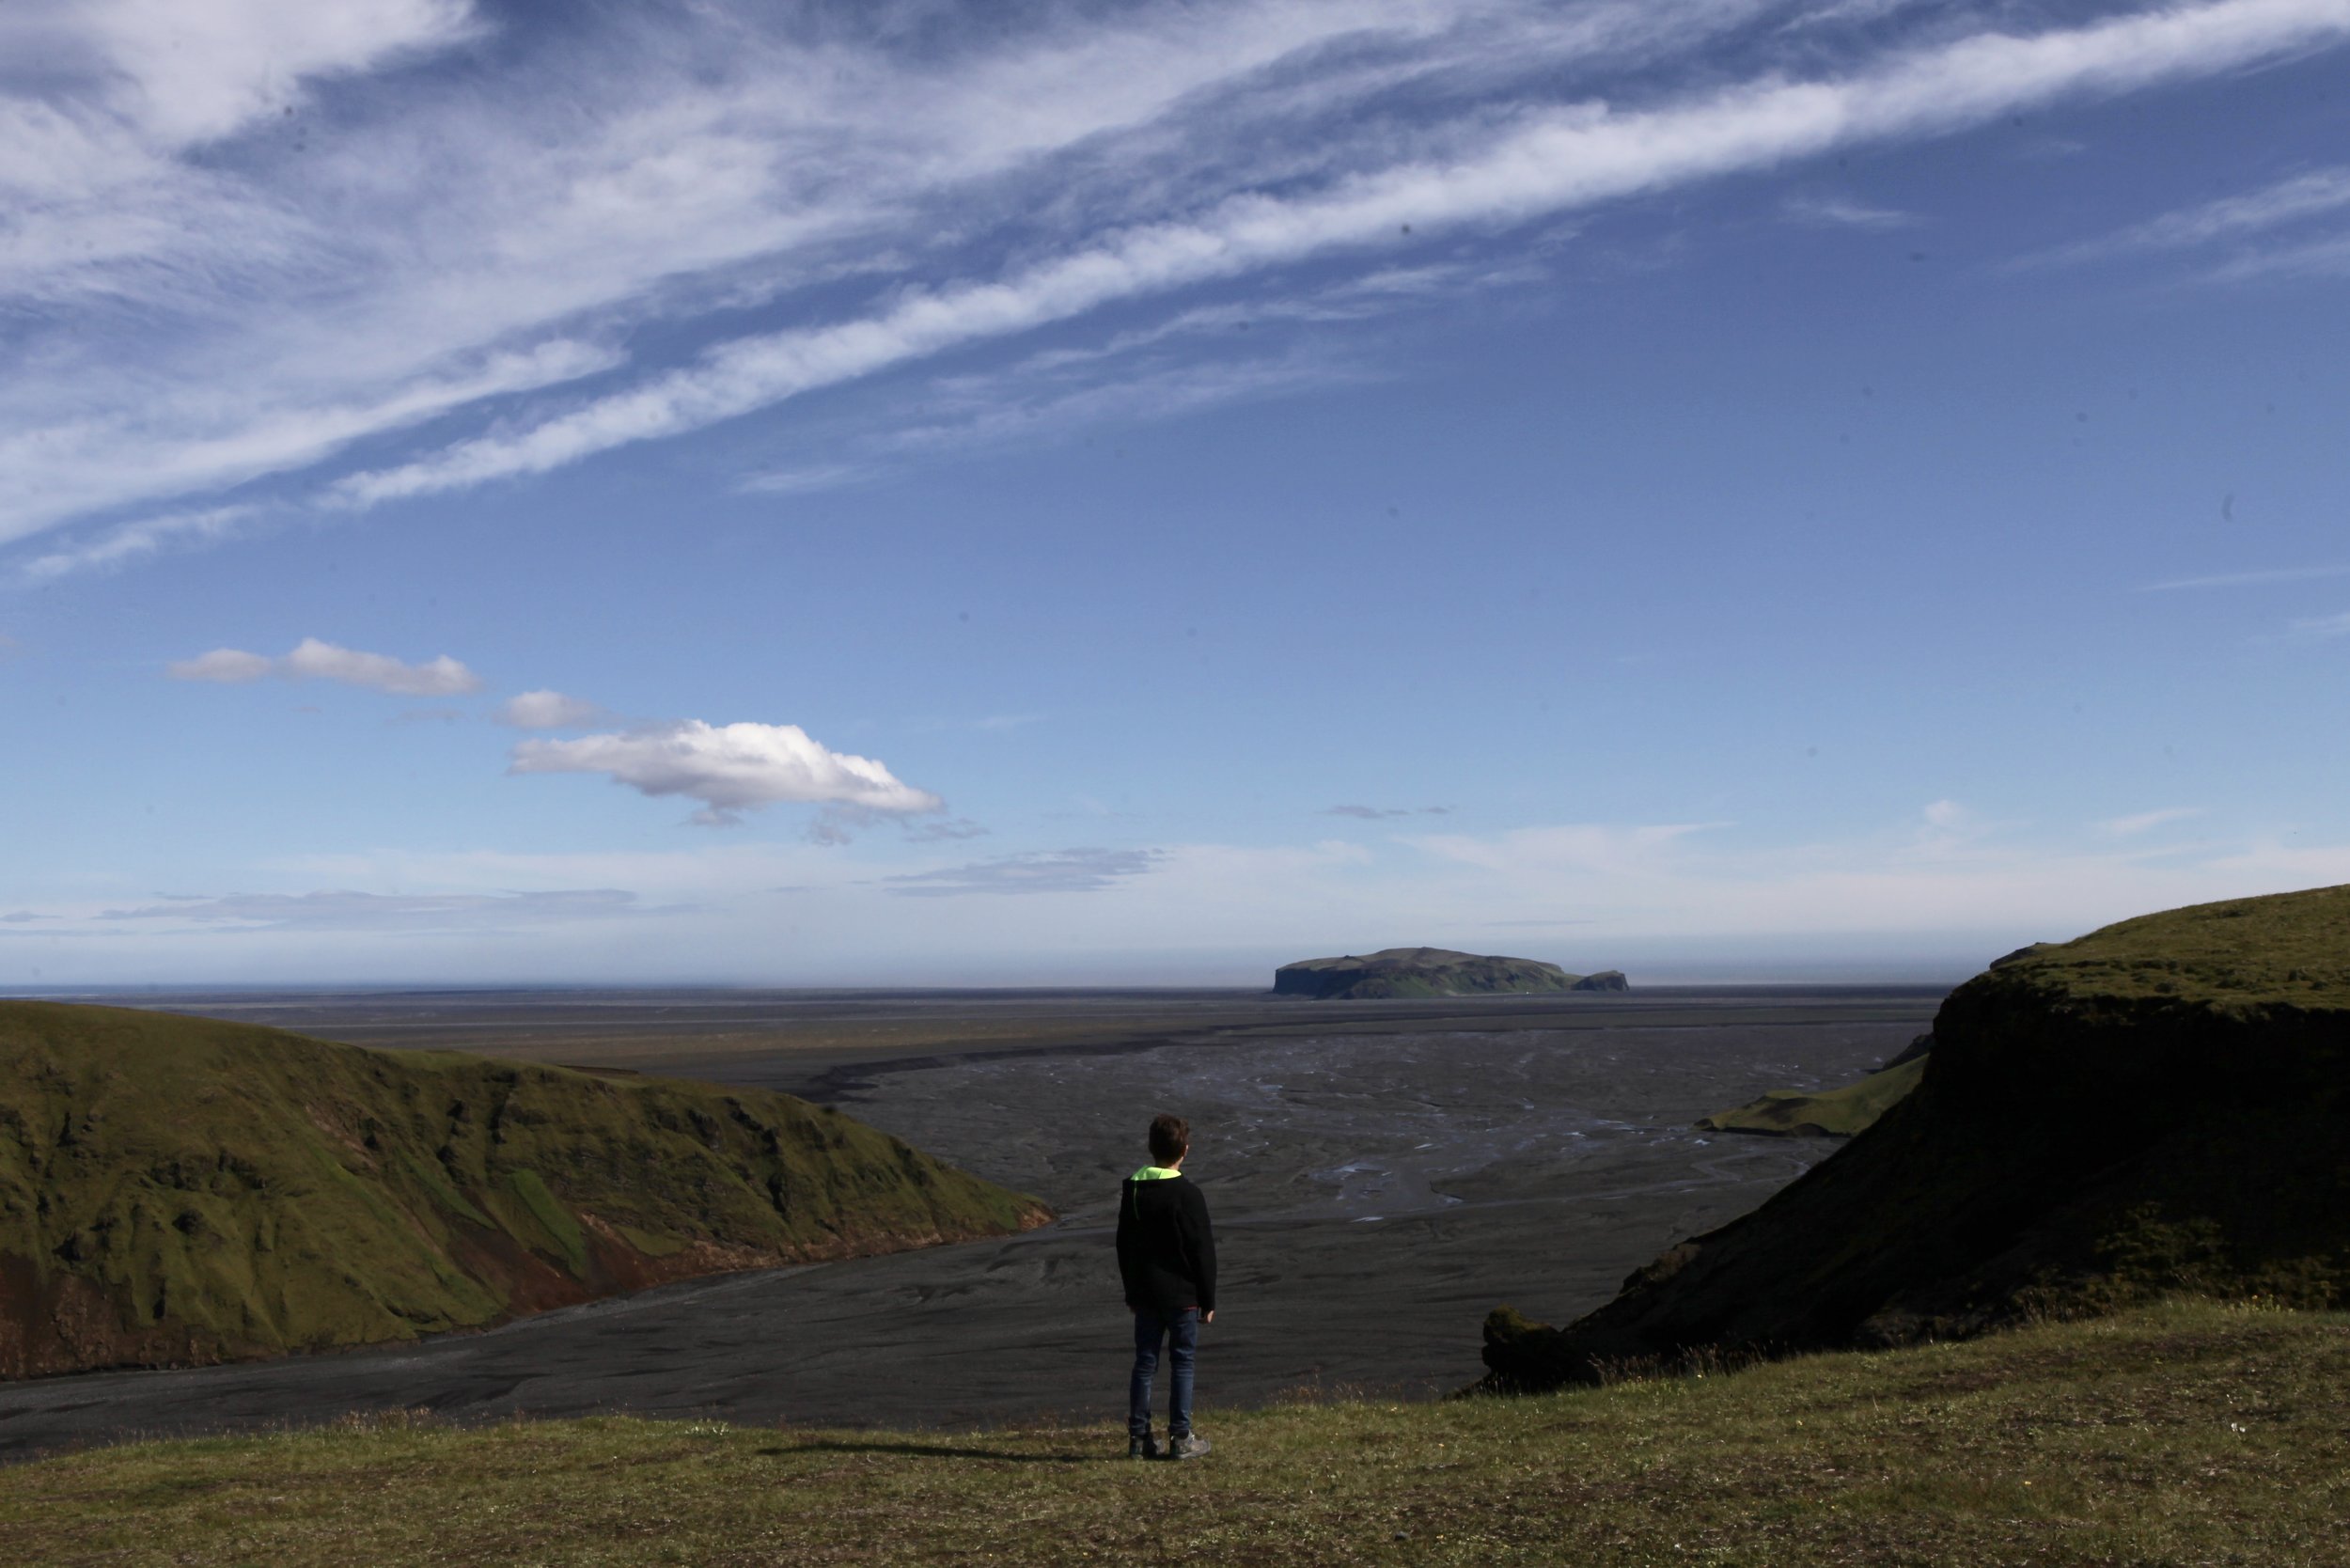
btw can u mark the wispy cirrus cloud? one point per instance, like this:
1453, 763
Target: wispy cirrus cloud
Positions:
2284, 201
2146, 822
2246, 579
1001, 178
166, 198
1545, 163
2321, 628
1018, 409
1839, 212
1075, 870
346, 910
314, 660
136, 542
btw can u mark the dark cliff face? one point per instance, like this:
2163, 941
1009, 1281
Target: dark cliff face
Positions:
1425, 972
2162, 1105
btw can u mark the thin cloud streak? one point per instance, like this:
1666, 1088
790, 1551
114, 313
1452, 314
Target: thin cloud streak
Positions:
1076, 871
2146, 822
1548, 164
1844, 213
346, 910
2246, 579
2324, 628
2228, 218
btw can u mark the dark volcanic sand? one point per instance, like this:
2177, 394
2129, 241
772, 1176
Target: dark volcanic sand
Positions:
1375, 1195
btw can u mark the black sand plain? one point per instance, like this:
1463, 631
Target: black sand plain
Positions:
1380, 1175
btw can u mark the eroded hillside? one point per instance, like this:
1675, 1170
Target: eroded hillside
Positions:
180, 1190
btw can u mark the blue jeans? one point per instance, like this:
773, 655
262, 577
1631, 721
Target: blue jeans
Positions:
1182, 1333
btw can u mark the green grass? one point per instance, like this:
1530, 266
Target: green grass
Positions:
2290, 949
1827, 1113
179, 1189
2185, 1434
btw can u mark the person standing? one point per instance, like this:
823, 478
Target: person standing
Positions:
1167, 1259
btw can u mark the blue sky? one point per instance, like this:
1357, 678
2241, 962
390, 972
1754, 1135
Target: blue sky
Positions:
905, 494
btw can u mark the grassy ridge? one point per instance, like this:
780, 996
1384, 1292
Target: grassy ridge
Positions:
179, 1189
2158, 1107
2185, 1434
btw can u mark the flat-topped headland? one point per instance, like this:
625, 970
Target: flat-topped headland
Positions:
1395, 972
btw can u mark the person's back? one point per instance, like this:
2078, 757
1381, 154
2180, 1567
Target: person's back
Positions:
1166, 1260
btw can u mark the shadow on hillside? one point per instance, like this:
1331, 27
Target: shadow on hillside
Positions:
938, 1450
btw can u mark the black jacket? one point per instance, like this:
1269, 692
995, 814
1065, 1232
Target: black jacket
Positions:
1166, 1252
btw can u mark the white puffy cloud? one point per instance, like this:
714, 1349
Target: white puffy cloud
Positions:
324, 661
730, 768
549, 710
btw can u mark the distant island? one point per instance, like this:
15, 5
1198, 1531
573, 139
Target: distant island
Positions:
1431, 972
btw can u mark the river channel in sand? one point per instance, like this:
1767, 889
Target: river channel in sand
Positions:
1374, 1194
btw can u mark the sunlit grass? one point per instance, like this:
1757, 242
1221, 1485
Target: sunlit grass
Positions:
2186, 1434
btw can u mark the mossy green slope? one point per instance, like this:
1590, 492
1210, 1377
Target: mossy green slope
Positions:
180, 1190
2162, 1104
1824, 1113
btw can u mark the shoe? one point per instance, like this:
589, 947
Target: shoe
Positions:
1144, 1447
1189, 1446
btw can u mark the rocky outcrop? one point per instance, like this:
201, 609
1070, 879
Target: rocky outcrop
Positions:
1430, 972
181, 1190
2161, 1105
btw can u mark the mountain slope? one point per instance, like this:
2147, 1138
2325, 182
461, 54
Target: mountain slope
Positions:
180, 1190
2161, 1104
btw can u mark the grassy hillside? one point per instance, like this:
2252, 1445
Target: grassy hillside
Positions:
2159, 1105
2188, 1434
1826, 1113
177, 1190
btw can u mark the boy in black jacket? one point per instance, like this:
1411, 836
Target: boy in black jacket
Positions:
1167, 1256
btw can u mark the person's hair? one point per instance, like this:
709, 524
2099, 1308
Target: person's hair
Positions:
1170, 1137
